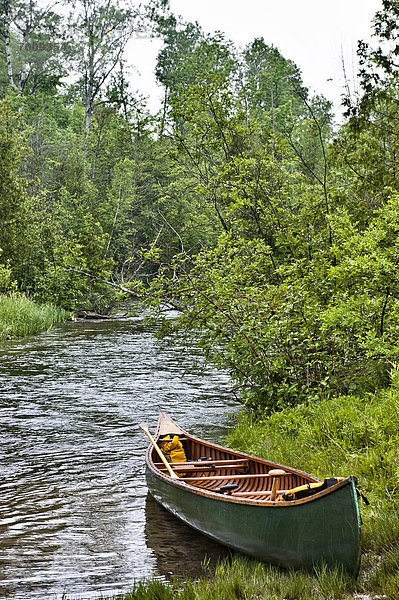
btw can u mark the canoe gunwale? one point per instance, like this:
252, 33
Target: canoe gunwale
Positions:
230, 498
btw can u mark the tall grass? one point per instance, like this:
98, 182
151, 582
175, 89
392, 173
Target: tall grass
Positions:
20, 316
246, 579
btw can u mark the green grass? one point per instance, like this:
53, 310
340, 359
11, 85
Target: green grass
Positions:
20, 316
341, 436
246, 579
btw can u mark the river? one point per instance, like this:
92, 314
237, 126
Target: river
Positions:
75, 517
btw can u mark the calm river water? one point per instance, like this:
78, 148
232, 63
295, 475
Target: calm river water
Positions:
75, 518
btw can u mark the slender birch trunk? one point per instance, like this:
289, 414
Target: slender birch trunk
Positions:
6, 6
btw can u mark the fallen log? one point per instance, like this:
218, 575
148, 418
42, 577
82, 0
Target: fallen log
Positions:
84, 314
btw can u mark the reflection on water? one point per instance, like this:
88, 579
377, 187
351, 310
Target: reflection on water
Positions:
178, 549
72, 486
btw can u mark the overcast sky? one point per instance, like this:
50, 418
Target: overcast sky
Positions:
315, 34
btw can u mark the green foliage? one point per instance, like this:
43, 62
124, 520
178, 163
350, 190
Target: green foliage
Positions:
310, 138
188, 57
298, 297
379, 67
282, 252
101, 30
262, 328
364, 159
366, 149
98, 186
7, 284
16, 219
37, 47
364, 276
272, 87
266, 300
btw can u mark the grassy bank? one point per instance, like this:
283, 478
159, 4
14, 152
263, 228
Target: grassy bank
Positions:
20, 316
340, 436
246, 579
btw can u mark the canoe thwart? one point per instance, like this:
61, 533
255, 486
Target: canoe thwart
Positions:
183, 468
200, 463
232, 476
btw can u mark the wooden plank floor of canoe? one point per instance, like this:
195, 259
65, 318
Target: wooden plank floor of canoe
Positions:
251, 487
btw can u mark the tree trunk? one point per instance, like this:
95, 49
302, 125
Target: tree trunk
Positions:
89, 112
7, 42
89, 94
272, 102
89, 100
165, 103
29, 25
24, 75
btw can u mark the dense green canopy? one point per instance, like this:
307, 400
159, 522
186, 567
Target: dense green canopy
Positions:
275, 235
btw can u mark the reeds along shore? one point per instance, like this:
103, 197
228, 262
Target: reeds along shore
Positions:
20, 316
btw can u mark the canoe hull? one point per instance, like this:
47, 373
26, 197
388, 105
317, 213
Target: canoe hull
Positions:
306, 535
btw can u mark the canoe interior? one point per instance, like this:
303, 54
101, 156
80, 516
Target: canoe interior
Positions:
322, 529
225, 467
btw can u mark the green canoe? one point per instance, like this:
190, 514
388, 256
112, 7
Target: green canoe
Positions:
241, 501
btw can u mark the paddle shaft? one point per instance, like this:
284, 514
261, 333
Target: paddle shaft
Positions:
159, 451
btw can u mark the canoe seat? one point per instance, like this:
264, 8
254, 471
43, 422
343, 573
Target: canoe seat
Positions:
200, 463
205, 467
210, 467
234, 463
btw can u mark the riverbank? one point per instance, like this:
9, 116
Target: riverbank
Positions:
246, 579
339, 436
20, 316
345, 435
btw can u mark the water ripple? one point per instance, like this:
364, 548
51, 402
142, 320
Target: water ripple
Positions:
74, 512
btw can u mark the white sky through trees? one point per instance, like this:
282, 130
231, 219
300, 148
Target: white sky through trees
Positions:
315, 34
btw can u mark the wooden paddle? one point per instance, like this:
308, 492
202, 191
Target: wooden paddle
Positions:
173, 475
